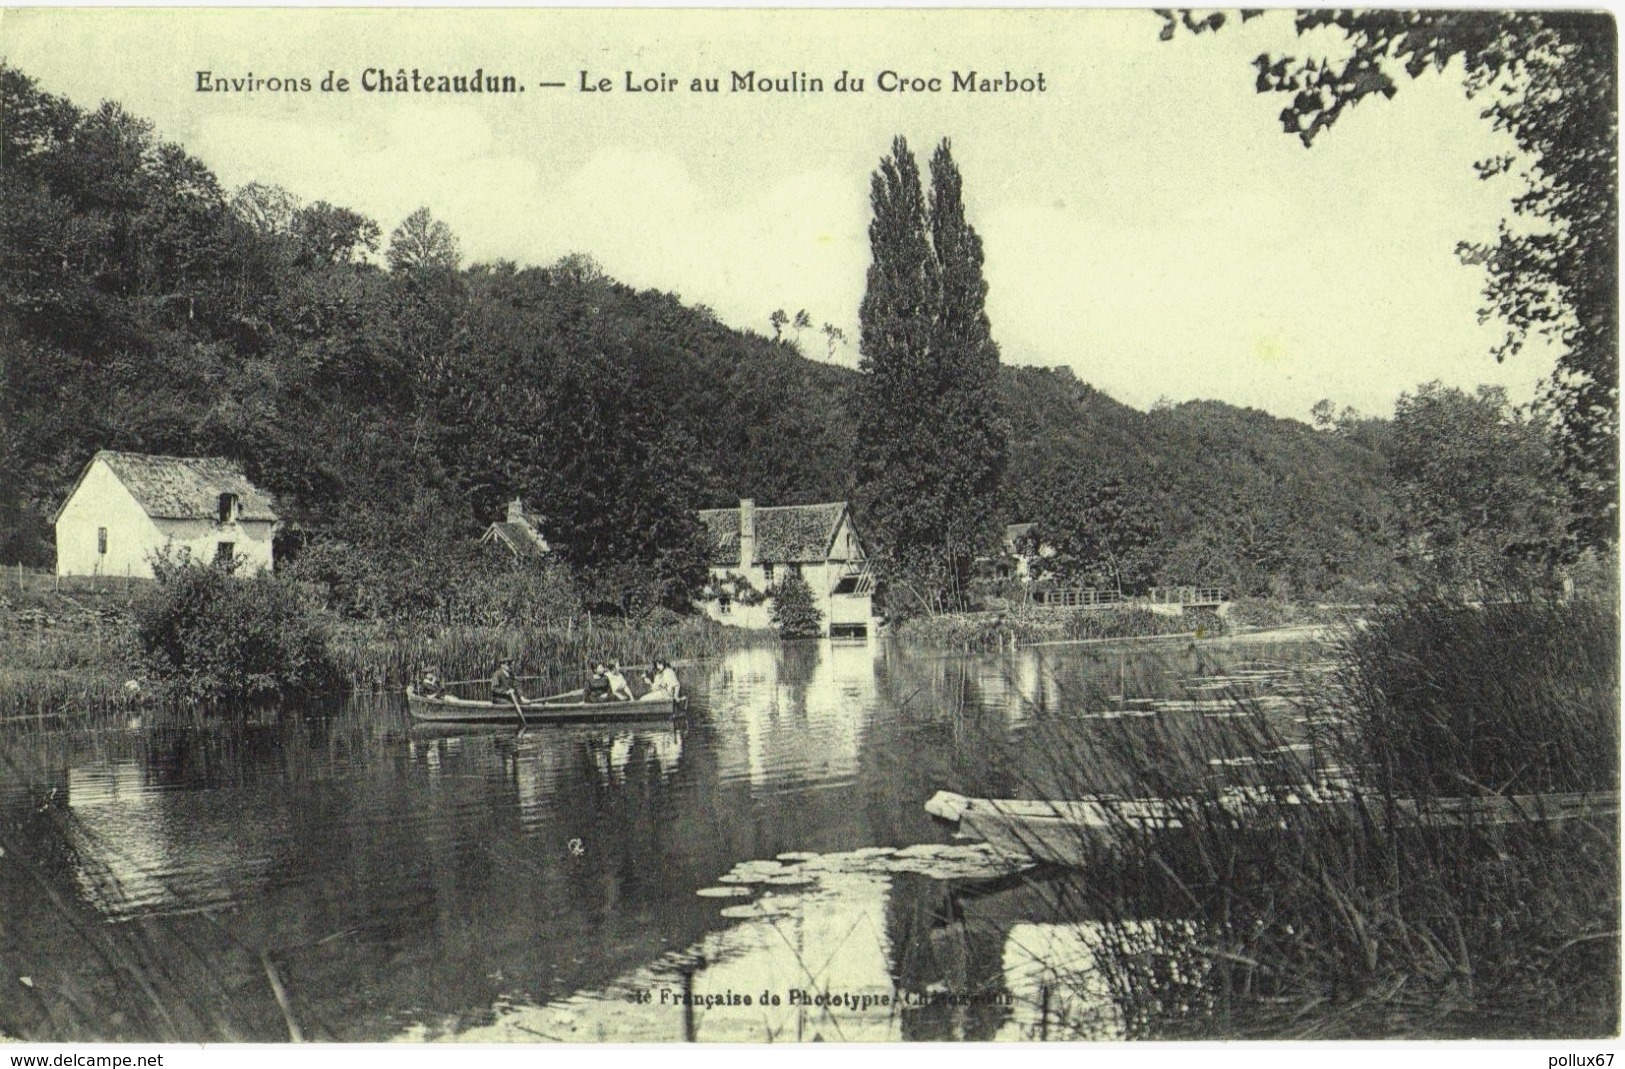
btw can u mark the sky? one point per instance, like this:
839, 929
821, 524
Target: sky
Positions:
1146, 222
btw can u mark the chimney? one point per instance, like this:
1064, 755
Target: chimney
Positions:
516, 510
747, 532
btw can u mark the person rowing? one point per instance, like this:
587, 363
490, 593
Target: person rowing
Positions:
505, 688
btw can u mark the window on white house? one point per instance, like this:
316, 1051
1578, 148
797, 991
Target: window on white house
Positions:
767, 574
225, 552
725, 605
101, 541
795, 567
228, 507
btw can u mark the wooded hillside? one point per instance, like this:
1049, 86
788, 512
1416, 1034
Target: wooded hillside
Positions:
393, 399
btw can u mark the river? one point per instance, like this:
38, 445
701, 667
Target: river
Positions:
338, 871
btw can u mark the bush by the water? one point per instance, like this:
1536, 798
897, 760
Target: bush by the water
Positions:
207, 634
795, 614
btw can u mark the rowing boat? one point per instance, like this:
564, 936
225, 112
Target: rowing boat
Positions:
560, 707
1071, 833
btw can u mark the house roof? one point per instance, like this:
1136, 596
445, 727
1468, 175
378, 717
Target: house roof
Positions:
525, 541
784, 534
183, 488
1015, 532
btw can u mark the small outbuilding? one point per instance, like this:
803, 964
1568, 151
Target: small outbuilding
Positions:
128, 507
518, 534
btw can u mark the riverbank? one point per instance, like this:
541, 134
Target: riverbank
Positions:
1249, 620
975, 631
75, 654
64, 654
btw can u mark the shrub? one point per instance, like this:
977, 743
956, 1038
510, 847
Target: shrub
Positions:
794, 613
208, 634
458, 584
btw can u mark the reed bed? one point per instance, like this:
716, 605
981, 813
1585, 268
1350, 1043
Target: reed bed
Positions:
1348, 921
551, 656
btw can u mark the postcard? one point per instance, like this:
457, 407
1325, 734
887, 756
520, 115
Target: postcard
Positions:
792, 525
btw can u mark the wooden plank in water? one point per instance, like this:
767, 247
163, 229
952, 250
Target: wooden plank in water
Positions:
1063, 832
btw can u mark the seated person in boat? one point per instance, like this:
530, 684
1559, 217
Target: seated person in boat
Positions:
429, 684
663, 683
619, 689
597, 688
503, 686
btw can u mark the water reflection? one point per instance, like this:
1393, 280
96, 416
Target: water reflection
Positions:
458, 882
792, 718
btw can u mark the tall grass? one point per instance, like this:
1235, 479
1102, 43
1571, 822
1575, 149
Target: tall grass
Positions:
1277, 918
549, 656
1505, 699
63, 656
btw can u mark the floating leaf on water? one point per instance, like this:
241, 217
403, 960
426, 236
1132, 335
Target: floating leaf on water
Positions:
752, 872
763, 907
874, 851
768, 867
922, 850
789, 879
736, 891
794, 856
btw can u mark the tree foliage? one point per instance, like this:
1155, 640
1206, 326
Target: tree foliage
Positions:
1549, 79
423, 242
389, 412
1100, 528
395, 413
1481, 504
795, 614
932, 445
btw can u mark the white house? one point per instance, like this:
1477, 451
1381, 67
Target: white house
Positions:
126, 507
752, 549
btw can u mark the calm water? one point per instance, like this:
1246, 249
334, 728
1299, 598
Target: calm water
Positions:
479, 883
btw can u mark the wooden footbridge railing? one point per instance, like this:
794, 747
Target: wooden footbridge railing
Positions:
1185, 597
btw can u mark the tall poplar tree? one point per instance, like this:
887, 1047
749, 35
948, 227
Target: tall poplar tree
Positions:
931, 443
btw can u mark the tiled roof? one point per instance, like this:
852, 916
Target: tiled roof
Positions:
786, 534
522, 538
185, 488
